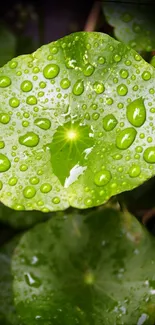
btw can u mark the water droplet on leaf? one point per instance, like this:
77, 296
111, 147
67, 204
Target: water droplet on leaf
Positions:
4, 82
102, 178
109, 122
149, 155
26, 86
125, 138
134, 171
51, 71
4, 163
29, 139
43, 123
29, 192
136, 112
78, 88
122, 90
4, 118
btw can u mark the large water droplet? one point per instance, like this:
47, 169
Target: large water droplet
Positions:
29, 139
65, 83
14, 102
45, 188
34, 180
136, 112
117, 58
13, 181
146, 75
4, 118
4, 163
109, 122
51, 71
149, 155
43, 123
32, 280
88, 70
134, 171
5, 81
98, 87
124, 73
29, 192
102, 178
78, 88
13, 64
122, 90
26, 85
31, 100
125, 138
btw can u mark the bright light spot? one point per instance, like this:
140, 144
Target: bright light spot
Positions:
89, 278
72, 134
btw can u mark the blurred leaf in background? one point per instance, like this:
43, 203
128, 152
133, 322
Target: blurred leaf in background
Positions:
133, 22
7, 310
86, 270
7, 45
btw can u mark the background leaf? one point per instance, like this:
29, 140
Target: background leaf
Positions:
7, 310
21, 219
133, 22
77, 124
92, 270
7, 45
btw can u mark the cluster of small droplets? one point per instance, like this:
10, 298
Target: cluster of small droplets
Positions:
85, 100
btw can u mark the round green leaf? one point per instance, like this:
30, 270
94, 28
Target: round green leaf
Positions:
81, 270
7, 310
133, 22
76, 124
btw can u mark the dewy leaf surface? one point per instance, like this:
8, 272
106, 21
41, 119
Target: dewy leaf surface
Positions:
93, 270
133, 22
76, 124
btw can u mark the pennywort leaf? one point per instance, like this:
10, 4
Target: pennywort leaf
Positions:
76, 124
97, 269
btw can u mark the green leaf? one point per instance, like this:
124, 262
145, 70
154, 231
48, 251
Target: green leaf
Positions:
7, 310
133, 22
91, 270
7, 45
21, 219
152, 62
76, 124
